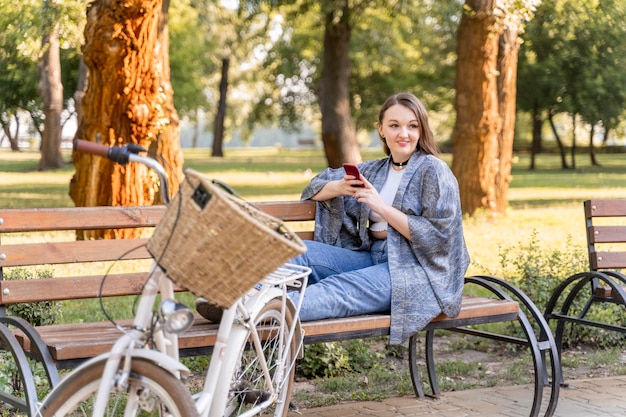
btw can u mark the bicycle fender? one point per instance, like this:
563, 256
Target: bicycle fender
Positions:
171, 365
166, 362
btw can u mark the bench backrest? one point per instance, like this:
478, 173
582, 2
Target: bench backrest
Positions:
606, 238
26, 240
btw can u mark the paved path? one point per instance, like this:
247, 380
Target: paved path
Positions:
597, 397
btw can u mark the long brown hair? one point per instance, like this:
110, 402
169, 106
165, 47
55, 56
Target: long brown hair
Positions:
427, 140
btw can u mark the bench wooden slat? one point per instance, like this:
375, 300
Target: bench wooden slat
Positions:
70, 341
32, 220
607, 234
70, 288
72, 252
301, 211
607, 292
605, 208
607, 260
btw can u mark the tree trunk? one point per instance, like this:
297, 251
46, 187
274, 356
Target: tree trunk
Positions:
605, 136
592, 149
6, 128
338, 130
476, 131
218, 126
559, 142
196, 131
507, 91
167, 142
573, 141
536, 146
81, 87
51, 92
129, 99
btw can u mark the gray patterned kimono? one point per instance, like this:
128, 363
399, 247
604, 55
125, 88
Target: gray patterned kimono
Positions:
426, 273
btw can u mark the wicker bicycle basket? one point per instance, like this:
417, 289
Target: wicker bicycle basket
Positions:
217, 246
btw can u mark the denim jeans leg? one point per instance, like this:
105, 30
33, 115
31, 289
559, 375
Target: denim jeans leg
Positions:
326, 260
362, 291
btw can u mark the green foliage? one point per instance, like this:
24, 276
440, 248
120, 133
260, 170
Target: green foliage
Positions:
37, 314
11, 383
333, 359
21, 48
40, 313
375, 384
325, 360
538, 271
572, 60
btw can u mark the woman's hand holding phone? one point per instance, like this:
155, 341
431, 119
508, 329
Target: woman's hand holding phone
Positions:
352, 169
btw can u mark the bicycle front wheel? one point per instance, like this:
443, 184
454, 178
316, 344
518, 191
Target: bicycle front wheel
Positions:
251, 383
151, 391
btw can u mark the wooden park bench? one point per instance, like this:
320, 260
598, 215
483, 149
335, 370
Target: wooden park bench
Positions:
60, 346
306, 142
605, 282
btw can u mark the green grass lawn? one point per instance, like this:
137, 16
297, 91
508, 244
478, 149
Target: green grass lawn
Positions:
546, 201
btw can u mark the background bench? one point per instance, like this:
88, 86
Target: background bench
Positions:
603, 283
65, 345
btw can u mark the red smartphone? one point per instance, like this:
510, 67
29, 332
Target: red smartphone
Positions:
353, 170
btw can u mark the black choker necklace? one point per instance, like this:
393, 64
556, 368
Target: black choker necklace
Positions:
399, 164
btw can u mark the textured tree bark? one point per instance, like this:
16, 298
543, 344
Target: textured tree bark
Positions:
51, 92
485, 107
507, 91
338, 131
475, 134
218, 125
128, 99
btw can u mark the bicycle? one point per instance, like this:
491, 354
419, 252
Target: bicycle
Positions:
251, 369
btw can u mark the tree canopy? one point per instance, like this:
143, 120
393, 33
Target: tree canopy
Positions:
572, 61
330, 64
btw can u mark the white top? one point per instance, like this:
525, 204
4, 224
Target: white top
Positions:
387, 193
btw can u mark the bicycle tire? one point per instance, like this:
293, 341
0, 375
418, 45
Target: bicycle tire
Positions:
162, 394
247, 387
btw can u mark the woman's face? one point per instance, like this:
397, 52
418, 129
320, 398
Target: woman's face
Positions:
400, 130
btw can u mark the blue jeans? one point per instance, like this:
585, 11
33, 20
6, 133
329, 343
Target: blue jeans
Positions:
344, 282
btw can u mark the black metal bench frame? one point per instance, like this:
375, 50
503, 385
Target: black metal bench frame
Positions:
602, 283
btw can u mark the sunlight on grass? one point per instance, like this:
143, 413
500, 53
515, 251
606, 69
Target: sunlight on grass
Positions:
486, 236
547, 201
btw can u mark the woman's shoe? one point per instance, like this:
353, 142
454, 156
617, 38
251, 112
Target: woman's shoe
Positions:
209, 311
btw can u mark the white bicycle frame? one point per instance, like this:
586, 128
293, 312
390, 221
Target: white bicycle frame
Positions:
237, 323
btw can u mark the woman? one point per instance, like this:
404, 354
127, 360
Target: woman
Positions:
396, 243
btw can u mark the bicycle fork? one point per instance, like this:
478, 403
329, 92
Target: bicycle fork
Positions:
131, 345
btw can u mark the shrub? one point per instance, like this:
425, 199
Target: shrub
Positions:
537, 272
37, 314
324, 360
40, 313
339, 358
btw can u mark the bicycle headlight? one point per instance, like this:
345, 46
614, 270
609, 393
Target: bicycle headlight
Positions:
176, 316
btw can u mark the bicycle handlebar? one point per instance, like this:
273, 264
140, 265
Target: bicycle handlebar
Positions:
123, 155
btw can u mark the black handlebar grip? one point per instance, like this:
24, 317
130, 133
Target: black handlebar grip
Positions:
117, 154
84, 146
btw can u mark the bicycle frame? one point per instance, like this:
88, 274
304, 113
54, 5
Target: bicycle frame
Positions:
238, 321
235, 323
242, 325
